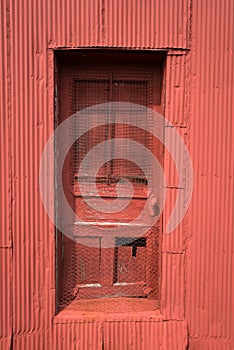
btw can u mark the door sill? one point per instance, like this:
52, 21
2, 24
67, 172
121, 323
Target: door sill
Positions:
114, 308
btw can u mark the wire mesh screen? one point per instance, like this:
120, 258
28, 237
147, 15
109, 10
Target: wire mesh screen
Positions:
128, 269
106, 88
129, 266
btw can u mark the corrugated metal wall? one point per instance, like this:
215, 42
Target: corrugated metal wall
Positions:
210, 240
197, 262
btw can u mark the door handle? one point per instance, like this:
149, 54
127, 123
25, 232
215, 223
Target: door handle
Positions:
153, 205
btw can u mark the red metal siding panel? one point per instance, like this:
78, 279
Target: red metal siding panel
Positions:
134, 23
135, 335
172, 242
73, 23
33, 275
210, 256
210, 344
5, 297
172, 291
145, 335
33, 339
175, 108
78, 336
170, 168
146, 23
5, 184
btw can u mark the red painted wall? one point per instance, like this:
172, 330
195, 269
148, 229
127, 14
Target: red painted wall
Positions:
197, 259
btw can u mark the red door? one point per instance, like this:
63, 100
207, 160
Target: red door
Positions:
102, 263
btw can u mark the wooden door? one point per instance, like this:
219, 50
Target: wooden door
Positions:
130, 266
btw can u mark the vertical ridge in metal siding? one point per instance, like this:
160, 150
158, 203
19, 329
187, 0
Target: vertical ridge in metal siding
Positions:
172, 289
175, 90
210, 303
171, 166
172, 242
5, 297
5, 190
175, 241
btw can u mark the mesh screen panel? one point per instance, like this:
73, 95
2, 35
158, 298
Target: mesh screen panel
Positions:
112, 87
129, 268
